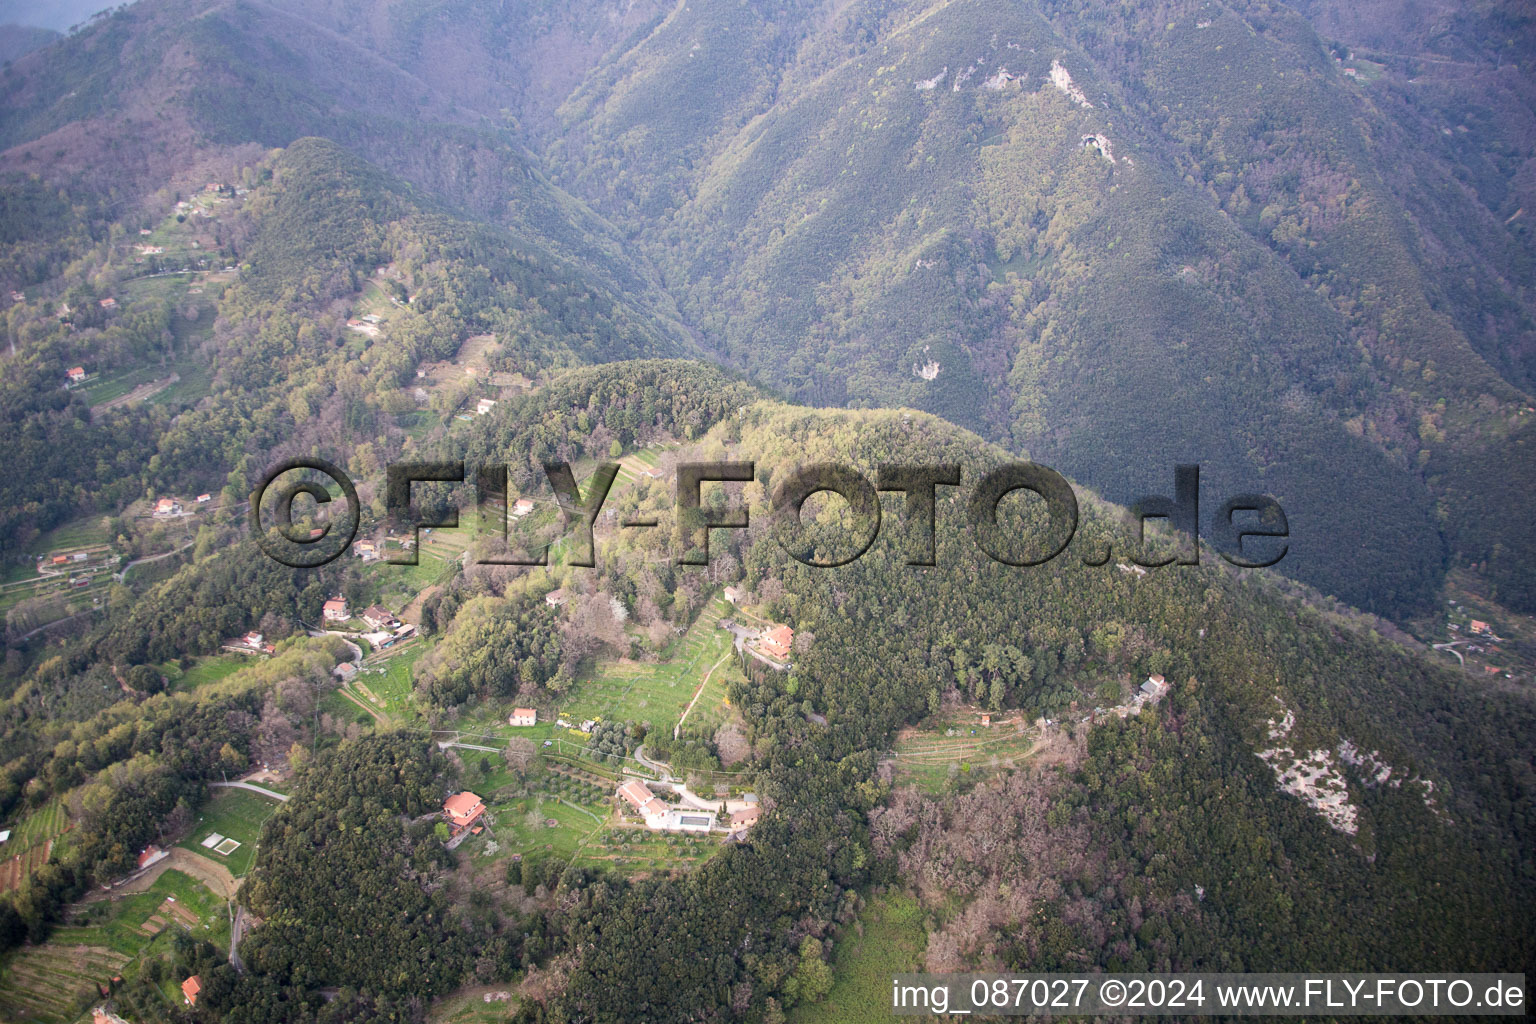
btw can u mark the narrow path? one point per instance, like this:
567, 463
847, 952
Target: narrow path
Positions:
678, 728
253, 788
351, 695
445, 744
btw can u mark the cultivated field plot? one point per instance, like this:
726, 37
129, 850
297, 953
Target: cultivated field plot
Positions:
31, 843
385, 683
630, 850
234, 816
659, 693
930, 758
103, 939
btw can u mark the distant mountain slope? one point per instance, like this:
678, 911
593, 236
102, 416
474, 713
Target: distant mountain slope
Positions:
1114, 239
16, 40
945, 206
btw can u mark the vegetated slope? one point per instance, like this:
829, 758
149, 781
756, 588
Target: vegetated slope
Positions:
949, 207
1176, 797
318, 225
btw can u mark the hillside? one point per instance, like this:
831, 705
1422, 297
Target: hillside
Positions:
539, 760
1303, 791
913, 206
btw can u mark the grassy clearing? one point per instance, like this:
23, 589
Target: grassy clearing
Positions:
930, 759
471, 1006
889, 939
387, 684
203, 671
659, 692
237, 814
86, 531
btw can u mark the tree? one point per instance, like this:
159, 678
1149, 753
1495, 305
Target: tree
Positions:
520, 754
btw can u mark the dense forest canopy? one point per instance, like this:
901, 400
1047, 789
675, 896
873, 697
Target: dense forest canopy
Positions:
1288, 243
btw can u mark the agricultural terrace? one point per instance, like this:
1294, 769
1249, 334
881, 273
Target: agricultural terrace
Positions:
102, 938
31, 842
932, 756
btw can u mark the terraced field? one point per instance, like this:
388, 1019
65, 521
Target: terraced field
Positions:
31, 842
659, 692
929, 759
54, 982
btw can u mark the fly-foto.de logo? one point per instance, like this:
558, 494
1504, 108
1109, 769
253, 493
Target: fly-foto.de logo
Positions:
308, 544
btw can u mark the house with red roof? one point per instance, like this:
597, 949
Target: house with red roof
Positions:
776, 642
462, 809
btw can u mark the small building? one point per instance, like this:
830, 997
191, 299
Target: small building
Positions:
203, 499
986, 721
1479, 626
151, 855
5, 834
745, 818
1154, 686
345, 671
522, 507
167, 507
484, 406
335, 610
645, 803
190, 988
735, 594
380, 618
60, 559
252, 639
524, 716
108, 303
462, 809
367, 550
555, 598
776, 642
77, 374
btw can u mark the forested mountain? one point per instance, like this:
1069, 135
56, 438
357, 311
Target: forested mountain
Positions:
1114, 240
1288, 243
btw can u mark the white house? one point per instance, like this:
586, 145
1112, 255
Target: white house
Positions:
523, 716
645, 803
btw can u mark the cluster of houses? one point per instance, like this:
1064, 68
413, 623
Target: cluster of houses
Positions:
661, 817
371, 550
171, 507
251, 643
384, 629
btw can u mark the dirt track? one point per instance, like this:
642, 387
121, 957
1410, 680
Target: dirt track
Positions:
215, 876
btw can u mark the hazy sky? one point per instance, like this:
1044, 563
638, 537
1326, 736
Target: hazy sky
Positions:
54, 14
